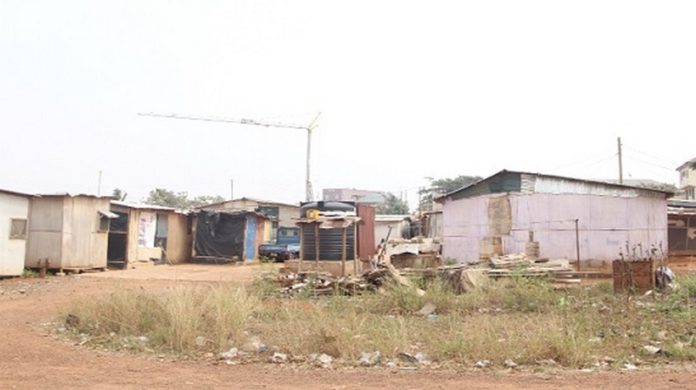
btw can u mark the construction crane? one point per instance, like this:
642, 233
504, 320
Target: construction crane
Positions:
309, 128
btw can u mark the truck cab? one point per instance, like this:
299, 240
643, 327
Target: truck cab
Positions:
287, 245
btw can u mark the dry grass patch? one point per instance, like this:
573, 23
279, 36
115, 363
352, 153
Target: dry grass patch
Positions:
527, 321
171, 321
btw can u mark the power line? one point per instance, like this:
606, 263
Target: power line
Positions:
592, 164
584, 161
652, 164
651, 156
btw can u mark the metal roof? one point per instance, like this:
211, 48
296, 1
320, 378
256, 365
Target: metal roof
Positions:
69, 195
683, 203
245, 199
391, 217
16, 193
595, 182
693, 160
681, 207
108, 214
235, 212
141, 206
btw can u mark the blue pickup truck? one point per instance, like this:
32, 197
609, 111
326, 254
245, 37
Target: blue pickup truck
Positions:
287, 245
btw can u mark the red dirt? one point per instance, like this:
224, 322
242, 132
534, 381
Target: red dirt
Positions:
30, 358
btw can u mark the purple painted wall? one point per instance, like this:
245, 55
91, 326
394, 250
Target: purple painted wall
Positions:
606, 223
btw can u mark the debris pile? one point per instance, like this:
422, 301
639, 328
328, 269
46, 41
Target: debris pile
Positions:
324, 283
462, 277
414, 253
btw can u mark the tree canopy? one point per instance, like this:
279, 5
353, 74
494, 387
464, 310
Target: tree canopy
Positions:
179, 200
443, 186
119, 194
392, 205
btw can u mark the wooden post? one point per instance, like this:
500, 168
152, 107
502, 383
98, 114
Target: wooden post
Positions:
316, 245
355, 250
302, 253
343, 251
577, 243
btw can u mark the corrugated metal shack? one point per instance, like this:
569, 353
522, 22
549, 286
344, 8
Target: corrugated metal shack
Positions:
500, 214
223, 236
68, 231
143, 232
400, 227
14, 215
432, 224
279, 214
682, 230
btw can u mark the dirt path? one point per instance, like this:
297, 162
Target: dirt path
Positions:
32, 359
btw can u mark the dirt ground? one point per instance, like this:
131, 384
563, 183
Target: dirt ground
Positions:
31, 358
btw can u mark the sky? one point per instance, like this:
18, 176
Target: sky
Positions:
406, 90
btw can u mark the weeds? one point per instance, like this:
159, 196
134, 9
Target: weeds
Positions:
171, 321
29, 273
525, 320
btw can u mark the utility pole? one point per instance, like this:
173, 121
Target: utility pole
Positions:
618, 140
309, 128
231, 189
99, 183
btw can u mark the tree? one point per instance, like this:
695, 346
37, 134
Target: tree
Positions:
179, 200
119, 194
392, 205
443, 186
204, 200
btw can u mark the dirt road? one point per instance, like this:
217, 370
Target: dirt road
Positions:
30, 358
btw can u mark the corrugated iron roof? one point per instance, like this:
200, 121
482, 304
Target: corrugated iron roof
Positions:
69, 195
681, 204
142, 206
692, 161
235, 212
108, 214
245, 199
16, 193
391, 217
573, 179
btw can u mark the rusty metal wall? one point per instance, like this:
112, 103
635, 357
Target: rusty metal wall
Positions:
366, 232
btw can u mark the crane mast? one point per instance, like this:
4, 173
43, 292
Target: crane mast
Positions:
252, 122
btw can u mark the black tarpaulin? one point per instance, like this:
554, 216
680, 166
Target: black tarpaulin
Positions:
220, 234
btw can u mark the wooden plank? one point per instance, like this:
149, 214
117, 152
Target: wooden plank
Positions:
356, 259
316, 244
567, 281
343, 251
302, 251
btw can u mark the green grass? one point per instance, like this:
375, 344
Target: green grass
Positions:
526, 320
29, 273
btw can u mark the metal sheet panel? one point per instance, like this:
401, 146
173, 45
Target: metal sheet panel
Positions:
558, 186
250, 238
12, 251
366, 232
606, 223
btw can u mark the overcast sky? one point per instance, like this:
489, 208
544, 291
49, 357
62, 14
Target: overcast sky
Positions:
407, 89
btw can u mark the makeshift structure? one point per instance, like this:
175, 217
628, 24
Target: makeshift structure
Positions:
280, 214
68, 232
14, 213
552, 217
222, 236
143, 234
682, 230
328, 243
